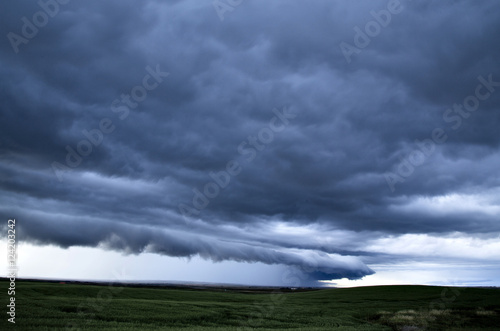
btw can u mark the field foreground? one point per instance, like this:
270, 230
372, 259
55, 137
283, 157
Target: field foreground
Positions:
74, 306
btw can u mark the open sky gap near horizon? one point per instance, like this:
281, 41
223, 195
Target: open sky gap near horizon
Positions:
292, 143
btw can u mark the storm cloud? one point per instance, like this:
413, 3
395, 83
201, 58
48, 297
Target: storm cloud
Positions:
252, 133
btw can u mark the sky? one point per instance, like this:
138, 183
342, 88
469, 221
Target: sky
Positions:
290, 143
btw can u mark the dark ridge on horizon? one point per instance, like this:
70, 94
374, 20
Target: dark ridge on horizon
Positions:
217, 286
176, 285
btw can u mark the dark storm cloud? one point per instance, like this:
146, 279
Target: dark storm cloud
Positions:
355, 122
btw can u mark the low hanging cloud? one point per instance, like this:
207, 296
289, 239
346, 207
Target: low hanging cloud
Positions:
152, 127
312, 265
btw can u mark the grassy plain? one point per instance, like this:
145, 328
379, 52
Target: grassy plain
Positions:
55, 306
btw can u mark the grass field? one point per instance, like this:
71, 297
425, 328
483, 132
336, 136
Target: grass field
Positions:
54, 306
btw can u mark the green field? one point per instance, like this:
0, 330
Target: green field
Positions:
54, 306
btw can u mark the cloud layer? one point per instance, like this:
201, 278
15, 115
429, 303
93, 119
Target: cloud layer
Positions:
262, 143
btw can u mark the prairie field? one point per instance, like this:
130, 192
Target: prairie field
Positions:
76, 306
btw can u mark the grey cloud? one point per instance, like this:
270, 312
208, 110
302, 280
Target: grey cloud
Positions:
355, 122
